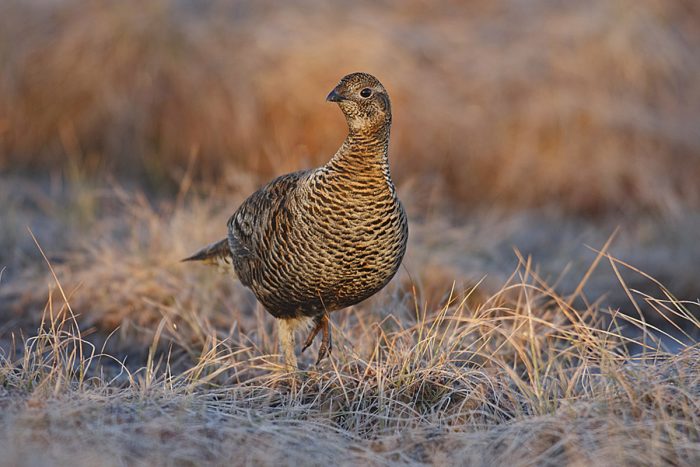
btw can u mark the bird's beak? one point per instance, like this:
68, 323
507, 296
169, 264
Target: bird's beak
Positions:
334, 96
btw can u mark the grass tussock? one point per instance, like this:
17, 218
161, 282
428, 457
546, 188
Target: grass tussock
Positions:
593, 105
156, 362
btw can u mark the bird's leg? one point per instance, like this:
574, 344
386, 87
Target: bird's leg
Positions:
286, 334
326, 343
322, 324
318, 325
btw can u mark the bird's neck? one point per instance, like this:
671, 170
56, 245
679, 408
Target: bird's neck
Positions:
363, 152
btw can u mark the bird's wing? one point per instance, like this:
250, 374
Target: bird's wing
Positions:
251, 227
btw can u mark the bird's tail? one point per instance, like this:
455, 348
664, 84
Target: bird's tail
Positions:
218, 253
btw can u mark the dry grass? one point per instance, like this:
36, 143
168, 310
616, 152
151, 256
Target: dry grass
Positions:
594, 104
137, 359
521, 378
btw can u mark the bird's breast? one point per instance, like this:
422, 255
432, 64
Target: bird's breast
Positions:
338, 247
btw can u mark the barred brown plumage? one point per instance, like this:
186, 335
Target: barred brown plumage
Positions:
315, 241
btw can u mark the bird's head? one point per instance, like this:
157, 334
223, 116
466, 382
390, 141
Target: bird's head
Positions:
364, 101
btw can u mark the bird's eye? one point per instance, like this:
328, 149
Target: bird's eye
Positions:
366, 92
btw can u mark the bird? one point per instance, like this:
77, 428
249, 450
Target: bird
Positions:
319, 240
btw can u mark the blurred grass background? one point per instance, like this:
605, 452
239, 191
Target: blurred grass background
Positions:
593, 107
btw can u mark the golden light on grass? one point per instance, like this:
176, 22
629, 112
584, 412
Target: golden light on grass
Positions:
593, 104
